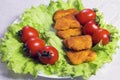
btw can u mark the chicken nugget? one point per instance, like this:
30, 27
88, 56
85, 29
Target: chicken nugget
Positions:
62, 24
69, 33
61, 13
92, 56
67, 22
74, 23
77, 57
78, 42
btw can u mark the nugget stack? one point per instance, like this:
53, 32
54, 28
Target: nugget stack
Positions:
66, 24
69, 29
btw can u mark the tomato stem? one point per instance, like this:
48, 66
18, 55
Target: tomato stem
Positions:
19, 33
25, 48
97, 20
44, 54
95, 9
38, 53
110, 38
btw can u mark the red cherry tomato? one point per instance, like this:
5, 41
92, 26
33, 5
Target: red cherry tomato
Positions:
86, 15
33, 45
48, 55
101, 35
27, 32
90, 28
106, 31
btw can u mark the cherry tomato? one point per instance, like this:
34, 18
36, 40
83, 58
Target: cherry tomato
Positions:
86, 15
101, 35
48, 55
27, 32
106, 31
90, 28
33, 45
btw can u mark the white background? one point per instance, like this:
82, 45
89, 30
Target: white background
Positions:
10, 10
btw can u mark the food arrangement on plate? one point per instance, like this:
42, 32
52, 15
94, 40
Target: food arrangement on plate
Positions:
63, 39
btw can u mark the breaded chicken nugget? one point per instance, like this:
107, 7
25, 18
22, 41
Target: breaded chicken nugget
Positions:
92, 56
69, 33
61, 13
77, 57
78, 42
67, 22
62, 24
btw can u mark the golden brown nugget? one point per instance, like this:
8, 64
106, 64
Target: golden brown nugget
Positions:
77, 57
92, 56
67, 22
61, 13
62, 24
69, 33
75, 24
78, 42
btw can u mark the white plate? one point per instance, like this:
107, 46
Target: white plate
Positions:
111, 11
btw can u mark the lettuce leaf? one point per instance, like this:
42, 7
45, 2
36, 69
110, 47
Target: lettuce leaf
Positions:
41, 18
